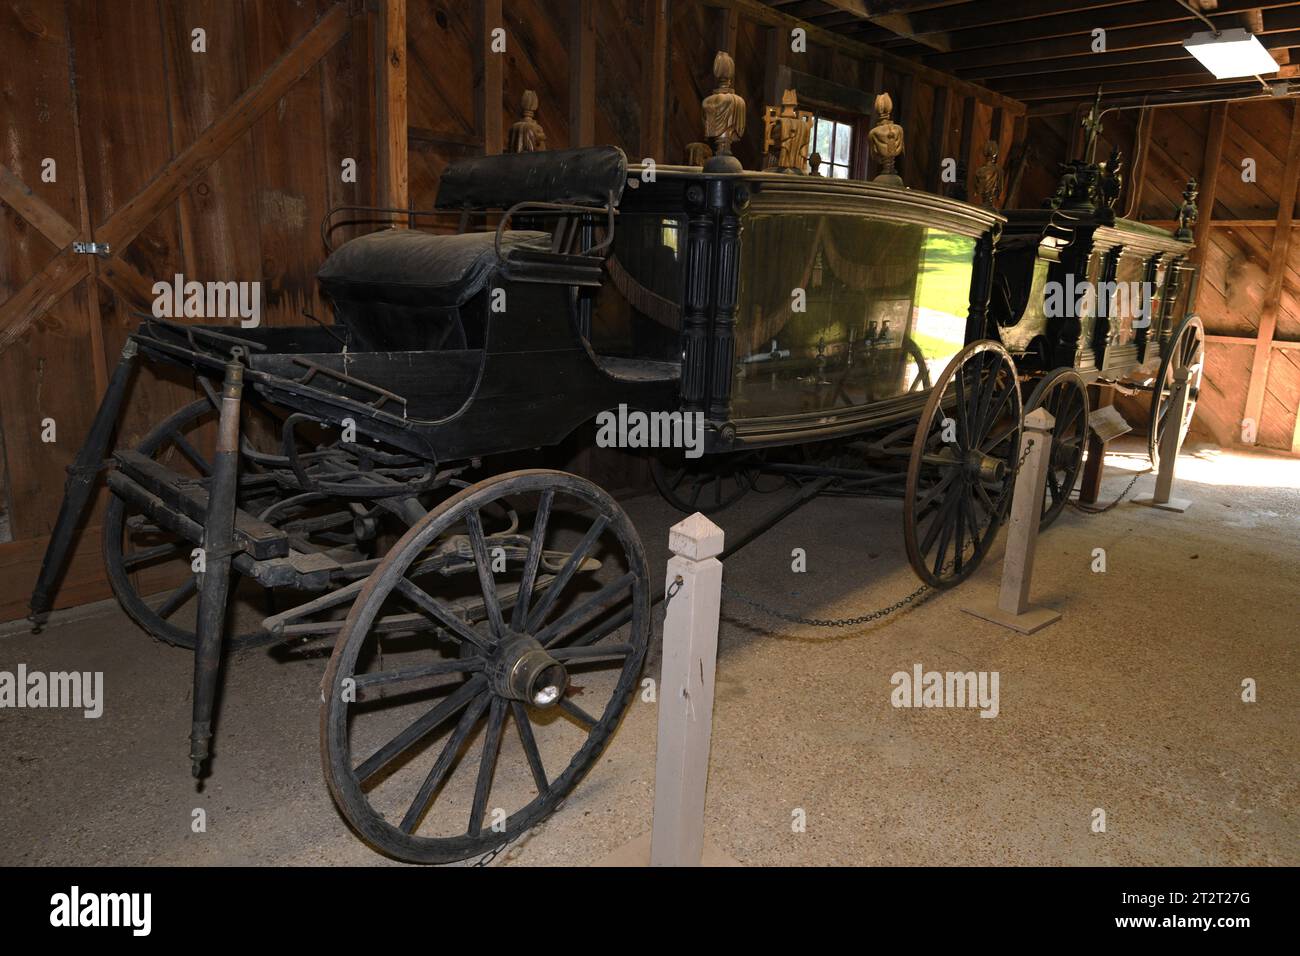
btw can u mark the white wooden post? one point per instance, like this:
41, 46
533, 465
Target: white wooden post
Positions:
1012, 607
690, 653
1170, 444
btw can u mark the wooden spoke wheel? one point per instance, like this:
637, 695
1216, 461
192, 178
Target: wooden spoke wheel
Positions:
142, 558
1186, 349
963, 464
920, 378
708, 484
549, 638
1065, 397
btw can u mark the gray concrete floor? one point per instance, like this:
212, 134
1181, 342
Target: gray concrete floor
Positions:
1131, 703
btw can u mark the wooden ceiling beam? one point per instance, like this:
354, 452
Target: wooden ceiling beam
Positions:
1172, 49
1018, 50
1022, 12
1235, 94
1109, 77
1200, 80
952, 40
770, 16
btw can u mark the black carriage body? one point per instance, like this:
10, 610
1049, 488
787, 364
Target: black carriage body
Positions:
802, 307
1064, 292
456, 346
779, 308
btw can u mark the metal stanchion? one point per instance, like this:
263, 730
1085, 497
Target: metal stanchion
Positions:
1170, 444
1012, 608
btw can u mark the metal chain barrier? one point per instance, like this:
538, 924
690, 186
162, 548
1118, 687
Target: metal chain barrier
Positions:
861, 619
1085, 509
733, 594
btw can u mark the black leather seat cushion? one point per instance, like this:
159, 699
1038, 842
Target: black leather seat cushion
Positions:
406, 267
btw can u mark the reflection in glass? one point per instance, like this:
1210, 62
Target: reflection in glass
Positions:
838, 311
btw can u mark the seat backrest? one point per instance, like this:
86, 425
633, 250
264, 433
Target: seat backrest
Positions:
586, 176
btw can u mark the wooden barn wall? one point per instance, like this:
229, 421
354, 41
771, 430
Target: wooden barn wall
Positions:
1239, 234
113, 92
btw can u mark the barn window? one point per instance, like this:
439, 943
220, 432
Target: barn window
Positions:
833, 140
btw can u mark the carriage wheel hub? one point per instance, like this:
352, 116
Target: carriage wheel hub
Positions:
985, 467
521, 669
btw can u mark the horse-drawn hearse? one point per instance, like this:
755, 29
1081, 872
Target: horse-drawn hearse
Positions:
346, 471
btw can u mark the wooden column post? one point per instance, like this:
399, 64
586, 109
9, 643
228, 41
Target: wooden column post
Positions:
1012, 607
653, 143
1209, 179
861, 136
491, 87
582, 74
694, 588
728, 27
776, 55
938, 138
390, 106
966, 147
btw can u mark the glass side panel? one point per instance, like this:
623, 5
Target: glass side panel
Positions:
637, 310
837, 311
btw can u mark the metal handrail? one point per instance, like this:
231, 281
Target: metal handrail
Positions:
529, 205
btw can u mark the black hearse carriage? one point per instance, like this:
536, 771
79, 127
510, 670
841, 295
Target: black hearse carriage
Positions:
344, 475
1082, 297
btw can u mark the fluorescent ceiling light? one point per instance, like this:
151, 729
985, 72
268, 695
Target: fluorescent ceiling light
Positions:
1230, 53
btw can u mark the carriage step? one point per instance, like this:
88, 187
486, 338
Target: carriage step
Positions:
259, 539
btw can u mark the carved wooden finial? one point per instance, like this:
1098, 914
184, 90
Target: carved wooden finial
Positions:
787, 134
989, 178
886, 139
527, 135
724, 114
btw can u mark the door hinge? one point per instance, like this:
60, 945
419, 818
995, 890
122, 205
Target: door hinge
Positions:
91, 248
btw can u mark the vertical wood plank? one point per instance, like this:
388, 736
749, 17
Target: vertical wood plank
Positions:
390, 105
1138, 171
728, 28
492, 86
582, 74
124, 106
654, 113
938, 136
347, 111
776, 47
905, 116
288, 143
866, 160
